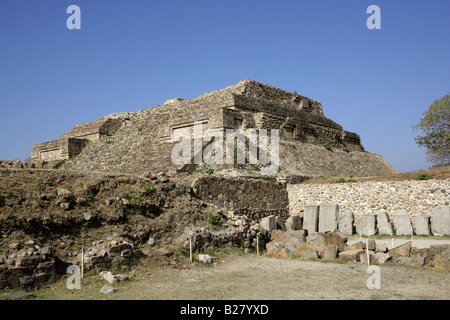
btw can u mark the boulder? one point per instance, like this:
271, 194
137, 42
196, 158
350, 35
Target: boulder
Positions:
363, 257
311, 218
346, 223
336, 238
381, 247
318, 242
382, 257
401, 250
440, 221
384, 225
351, 255
272, 249
328, 217
366, 224
330, 252
422, 221
402, 223
304, 251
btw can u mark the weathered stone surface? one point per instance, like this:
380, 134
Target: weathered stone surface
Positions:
283, 253
366, 224
351, 255
401, 250
272, 249
304, 251
269, 223
336, 238
422, 222
275, 234
328, 217
107, 289
381, 247
109, 277
384, 224
346, 223
205, 258
370, 244
318, 242
311, 218
440, 221
382, 257
293, 223
363, 257
356, 245
330, 252
402, 223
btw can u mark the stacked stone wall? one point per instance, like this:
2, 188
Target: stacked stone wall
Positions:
412, 196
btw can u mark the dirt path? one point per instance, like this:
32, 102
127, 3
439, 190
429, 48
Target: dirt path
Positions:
250, 277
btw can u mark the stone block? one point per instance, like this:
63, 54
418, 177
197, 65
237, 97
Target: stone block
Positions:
366, 224
381, 247
293, 223
311, 218
363, 257
318, 242
382, 257
269, 223
440, 221
330, 252
336, 238
384, 224
401, 250
304, 251
272, 249
422, 221
351, 255
346, 223
328, 217
402, 223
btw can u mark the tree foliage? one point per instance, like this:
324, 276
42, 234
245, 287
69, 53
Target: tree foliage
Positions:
435, 126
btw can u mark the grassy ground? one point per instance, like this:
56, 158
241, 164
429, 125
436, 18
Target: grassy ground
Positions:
436, 173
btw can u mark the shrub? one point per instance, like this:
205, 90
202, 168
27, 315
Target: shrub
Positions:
328, 146
423, 177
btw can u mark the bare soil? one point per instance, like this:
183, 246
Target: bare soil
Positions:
238, 276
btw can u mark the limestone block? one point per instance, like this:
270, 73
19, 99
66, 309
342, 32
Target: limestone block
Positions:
269, 223
336, 238
330, 252
366, 224
384, 225
402, 223
422, 224
346, 223
328, 217
311, 218
293, 223
382, 257
401, 250
440, 222
304, 251
351, 255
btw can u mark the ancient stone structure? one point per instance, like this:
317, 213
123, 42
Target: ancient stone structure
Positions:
71, 143
310, 143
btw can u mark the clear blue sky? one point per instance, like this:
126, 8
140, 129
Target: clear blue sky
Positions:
134, 54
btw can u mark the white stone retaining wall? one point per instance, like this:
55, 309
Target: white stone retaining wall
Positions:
411, 196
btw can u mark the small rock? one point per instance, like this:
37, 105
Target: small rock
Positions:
123, 277
205, 258
107, 289
108, 276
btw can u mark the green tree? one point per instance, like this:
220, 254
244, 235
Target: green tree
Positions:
435, 126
